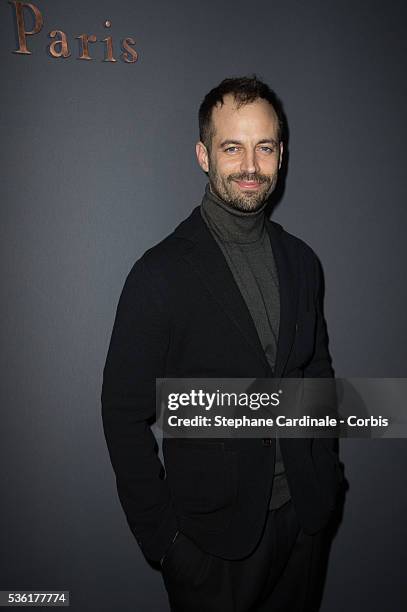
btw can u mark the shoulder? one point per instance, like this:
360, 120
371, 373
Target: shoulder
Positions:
294, 244
161, 258
302, 256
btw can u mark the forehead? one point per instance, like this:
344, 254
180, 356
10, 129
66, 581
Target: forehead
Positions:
253, 119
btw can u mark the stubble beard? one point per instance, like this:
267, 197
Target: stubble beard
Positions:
245, 201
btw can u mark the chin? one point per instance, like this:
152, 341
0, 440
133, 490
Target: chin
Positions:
254, 202
248, 205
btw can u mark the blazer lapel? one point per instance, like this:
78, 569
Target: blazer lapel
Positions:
287, 269
209, 262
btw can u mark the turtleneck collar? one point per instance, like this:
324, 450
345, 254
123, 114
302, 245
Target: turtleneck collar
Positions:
230, 224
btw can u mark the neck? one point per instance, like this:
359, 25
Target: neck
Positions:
231, 224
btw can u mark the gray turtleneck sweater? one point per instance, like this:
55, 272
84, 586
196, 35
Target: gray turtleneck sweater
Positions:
245, 243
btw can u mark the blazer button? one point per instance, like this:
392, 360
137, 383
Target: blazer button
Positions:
267, 441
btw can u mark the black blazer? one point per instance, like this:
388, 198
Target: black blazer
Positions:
181, 314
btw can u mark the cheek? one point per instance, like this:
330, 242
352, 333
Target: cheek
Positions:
227, 165
230, 168
269, 166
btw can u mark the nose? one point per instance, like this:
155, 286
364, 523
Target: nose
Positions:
249, 163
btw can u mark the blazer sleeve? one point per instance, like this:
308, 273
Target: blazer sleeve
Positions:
135, 358
320, 365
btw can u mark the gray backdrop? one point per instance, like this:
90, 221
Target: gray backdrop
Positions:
98, 165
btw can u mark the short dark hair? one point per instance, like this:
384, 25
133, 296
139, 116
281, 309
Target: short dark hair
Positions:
245, 90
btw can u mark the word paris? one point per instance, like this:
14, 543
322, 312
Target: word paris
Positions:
59, 47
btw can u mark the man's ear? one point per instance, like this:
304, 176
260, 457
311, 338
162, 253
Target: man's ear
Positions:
281, 154
202, 156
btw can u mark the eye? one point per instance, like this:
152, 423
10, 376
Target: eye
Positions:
267, 149
231, 149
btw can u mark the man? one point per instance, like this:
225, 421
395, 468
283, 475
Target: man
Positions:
236, 524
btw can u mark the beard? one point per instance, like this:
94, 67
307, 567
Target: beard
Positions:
227, 189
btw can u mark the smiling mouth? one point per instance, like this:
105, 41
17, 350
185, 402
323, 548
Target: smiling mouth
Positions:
248, 184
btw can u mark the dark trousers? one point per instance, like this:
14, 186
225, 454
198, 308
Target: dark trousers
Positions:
282, 574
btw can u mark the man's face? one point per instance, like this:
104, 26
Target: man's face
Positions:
245, 153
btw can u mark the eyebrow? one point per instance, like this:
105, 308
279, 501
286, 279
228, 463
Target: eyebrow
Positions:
238, 142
